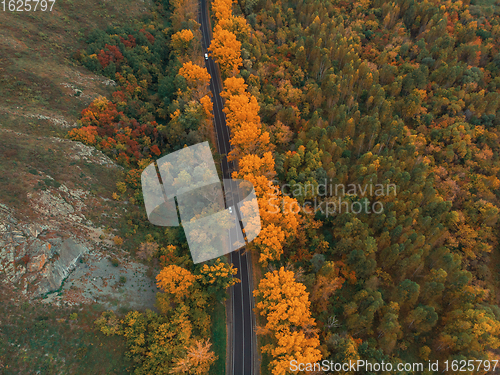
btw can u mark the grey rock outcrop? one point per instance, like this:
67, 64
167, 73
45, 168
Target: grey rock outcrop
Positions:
68, 253
34, 256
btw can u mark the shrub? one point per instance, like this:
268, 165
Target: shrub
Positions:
118, 240
147, 250
114, 262
25, 260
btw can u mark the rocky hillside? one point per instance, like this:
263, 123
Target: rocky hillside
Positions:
56, 207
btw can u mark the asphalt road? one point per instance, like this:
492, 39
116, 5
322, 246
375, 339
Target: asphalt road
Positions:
243, 335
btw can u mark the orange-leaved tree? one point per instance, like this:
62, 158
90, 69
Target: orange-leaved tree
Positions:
101, 112
208, 106
222, 9
226, 51
194, 74
280, 219
97, 119
184, 12
285, 304
197, 79
197, 361
176, 281
85, 134
237, 25
252, 147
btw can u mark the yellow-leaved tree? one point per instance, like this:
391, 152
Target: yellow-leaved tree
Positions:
216, 278
181, 41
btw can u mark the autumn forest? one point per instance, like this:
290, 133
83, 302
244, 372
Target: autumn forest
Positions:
318, 94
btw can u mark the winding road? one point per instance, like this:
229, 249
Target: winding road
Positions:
242, 339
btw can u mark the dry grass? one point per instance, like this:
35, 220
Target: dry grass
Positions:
36, 338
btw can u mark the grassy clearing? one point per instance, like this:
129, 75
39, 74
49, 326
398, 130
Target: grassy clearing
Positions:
219, 339
30, 125
44, 339
266, 358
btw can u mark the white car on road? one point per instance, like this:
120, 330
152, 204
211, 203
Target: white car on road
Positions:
206, 56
